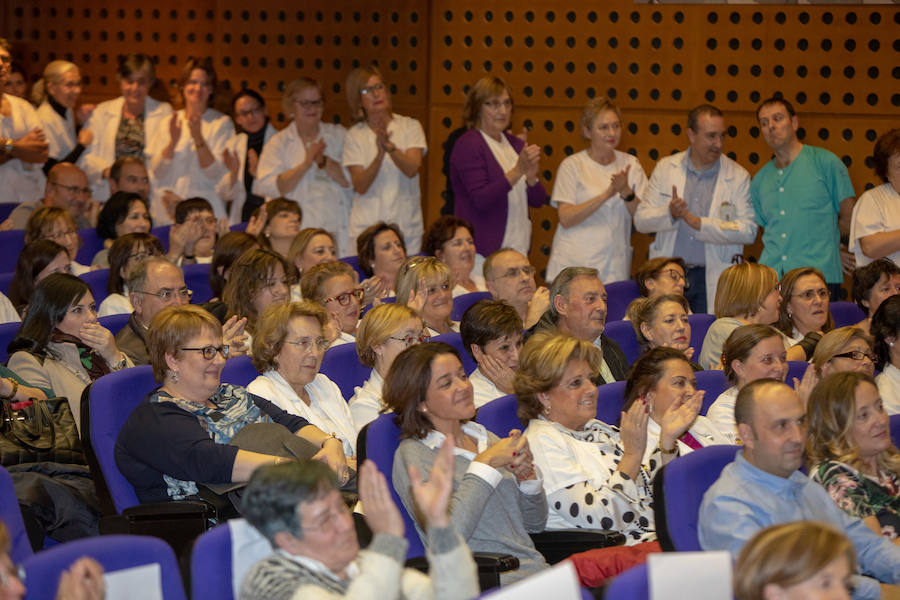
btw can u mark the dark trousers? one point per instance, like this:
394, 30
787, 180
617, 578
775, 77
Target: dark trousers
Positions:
696, 292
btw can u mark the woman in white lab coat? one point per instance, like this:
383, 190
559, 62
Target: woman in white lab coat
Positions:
56, 96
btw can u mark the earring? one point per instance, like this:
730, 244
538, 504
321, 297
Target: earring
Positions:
174, 377
547, 410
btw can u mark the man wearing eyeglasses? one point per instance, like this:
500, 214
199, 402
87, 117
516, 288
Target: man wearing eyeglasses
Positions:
23, 145
509, 276
67, 187
153, 285
698, 205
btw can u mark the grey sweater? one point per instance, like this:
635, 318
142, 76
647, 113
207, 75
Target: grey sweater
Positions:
489, 519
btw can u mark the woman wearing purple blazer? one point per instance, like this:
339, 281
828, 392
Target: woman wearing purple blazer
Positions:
494, 174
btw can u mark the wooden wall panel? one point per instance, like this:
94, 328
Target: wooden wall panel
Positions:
837, 64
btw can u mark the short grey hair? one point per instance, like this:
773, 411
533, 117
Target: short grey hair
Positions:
272, 498
137, 276
563, 281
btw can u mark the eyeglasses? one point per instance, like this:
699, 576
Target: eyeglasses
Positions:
344, 299
249, 113
307, 344
856, 355
495, 104
409, 340
169, 293
209, 352
511, 272
808, 295
369, 89
71, 85
61, 235
142, 255
676, 277
329, 519
307, 104
72, 189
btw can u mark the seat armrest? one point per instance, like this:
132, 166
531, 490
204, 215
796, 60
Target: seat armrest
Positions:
558, 544
490, 565
168, 510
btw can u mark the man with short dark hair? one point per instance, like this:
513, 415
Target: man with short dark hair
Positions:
299, 509
698, 205
129, 174
66, 187
509, 276
192, 238
803, 199
492, 335
764, 487
578, 307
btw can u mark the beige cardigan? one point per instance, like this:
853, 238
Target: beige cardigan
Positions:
61, 371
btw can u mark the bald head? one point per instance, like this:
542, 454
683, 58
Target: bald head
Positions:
67, 187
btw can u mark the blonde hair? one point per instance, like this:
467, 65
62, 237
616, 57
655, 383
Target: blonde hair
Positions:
44, 218
743, 288
53, 73
376, 327
484, 89
171, 328
273, 328
312, 281
295, 88
788, 554
543, 360
302, 240
595, 108
830, 416
834, 342
419, 268
356, 82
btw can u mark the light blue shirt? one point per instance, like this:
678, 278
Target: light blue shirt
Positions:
698, 192
746, 499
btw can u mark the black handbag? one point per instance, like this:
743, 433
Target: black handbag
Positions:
37, 431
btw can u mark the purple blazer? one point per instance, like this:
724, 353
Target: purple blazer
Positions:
480, 189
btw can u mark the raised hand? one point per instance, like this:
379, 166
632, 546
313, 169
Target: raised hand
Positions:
232, 163
619, 182
174, 129
82, 581
256, 223
679, 417
381, 513
432, 497
501, 454
100, 339
804, 386
234, 336
170, 200
374, 289
633, 428
418, 296
500, 374
195, 123
252, 161
677, 206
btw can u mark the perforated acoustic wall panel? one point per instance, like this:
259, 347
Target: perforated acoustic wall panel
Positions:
837, 64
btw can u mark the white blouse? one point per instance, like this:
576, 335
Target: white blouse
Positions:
889, 387
366, 403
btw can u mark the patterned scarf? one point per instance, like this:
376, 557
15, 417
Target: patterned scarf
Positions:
93, 363
232, 412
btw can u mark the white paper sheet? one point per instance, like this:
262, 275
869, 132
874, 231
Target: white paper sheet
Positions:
136, 583
559, 582
704, 575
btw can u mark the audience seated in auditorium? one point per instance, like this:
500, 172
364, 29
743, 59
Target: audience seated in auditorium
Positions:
844, 349
424, 284
383, 333
763, 487
193, 236
258, 279
66, 188
310, 247
380, 250
179, 436
55, 223
509, 277
287, 351
578, 307
129, 174
663, 321
492, 335
124, 212
804, 316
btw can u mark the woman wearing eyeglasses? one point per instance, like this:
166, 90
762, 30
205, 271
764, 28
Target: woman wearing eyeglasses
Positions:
61, 346
179, 437
424, 284
126, 252
241, 155
383, 153
596, 193
288, 350
56, 224
383, 333
495, 174
302, 162
844, 349
333, 286
56, 96
804, 316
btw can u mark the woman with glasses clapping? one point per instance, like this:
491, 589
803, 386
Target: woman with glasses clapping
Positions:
179, 437
333, 286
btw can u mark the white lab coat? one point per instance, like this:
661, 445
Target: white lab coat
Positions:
325, 204
104, 123
183, 174
729, 225
20, 181
60, 132
236, 194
